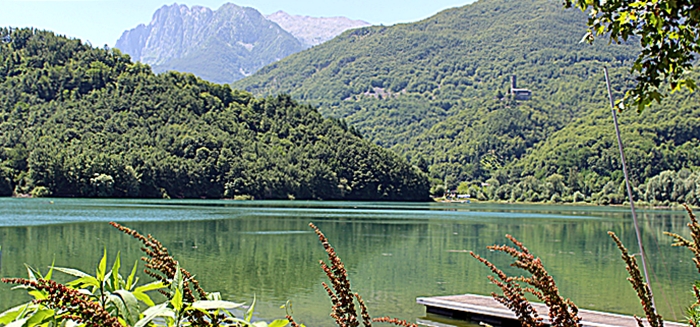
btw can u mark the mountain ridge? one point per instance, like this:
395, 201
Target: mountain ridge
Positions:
225, 44
436, 92
218, 45
314, 30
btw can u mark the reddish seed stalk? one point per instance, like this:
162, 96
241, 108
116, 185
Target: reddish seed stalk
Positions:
69, 303
161, 266
639, 285
343, 309
562, 312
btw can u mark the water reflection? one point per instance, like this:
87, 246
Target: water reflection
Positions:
392, 255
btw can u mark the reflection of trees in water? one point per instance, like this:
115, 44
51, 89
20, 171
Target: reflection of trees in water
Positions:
390, 261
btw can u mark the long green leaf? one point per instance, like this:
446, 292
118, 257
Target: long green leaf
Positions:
40, 317
84, 281
130, 281
132, 306
11, 314
213, 305
279, 323
102, 267
38, 295
30, 273
177, 279
72, 272
150, 287
50, 273
115, 272
249, 314
143, 297
152, 312
176, 301
115, 302
18, 323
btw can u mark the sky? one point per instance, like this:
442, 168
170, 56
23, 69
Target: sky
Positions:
102, 21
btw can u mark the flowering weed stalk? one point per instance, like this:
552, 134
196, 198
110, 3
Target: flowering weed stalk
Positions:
343, 310
562, 312
163, 267
694, 247
68, 303
642, 289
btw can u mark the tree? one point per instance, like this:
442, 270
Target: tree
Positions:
668, 32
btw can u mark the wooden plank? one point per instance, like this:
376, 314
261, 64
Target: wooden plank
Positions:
487, 309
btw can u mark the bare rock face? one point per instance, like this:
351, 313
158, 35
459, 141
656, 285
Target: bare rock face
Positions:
314, 30
221, 46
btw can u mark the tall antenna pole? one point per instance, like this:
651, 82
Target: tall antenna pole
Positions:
627, 181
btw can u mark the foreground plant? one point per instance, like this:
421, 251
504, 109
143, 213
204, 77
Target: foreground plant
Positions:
562, 312
107, 299
344, 311
642, 288
694, 247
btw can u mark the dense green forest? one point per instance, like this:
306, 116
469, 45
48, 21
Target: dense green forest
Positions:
85, 122
435, 92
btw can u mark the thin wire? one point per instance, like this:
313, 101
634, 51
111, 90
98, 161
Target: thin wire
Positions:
627, 181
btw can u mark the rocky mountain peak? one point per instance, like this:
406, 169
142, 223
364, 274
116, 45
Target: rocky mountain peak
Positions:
220, 45
314, 30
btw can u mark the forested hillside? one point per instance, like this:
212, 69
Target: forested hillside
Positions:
435, 92
80, 121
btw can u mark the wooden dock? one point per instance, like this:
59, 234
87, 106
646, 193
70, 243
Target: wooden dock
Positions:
479, 308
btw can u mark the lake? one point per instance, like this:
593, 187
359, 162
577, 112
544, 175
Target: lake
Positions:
394, 252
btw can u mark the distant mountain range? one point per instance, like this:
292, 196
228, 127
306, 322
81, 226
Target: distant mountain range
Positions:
226, 44
314, 30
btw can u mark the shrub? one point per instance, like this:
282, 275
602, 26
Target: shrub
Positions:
40, 192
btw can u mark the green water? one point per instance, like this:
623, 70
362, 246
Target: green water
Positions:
393, 252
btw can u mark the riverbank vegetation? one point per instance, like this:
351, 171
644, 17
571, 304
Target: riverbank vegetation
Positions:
78, 121
435, 92
668, 188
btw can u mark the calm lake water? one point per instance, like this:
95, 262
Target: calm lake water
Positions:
394, 252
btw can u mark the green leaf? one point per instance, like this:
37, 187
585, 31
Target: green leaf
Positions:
18, 323
259, 324
38, 295
150, 287
249, 314
178, 282
84, 281
30, 273
177, 300
72, 272
40, 317
102, 267
50, 273
131, 304
153, 312
115, 272
143, 297
213, 305
130, 281
279, 323
115, 306
12, 313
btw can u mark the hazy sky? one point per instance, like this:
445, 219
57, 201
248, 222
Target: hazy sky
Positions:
103, 21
